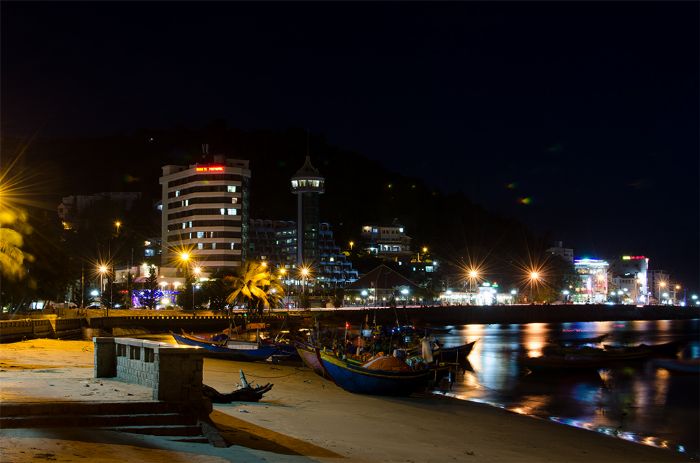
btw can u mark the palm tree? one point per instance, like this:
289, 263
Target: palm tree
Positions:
12, 257
256, 285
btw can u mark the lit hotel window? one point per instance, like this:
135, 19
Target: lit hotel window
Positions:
295, 184
200, 245
231, 188
177, 193
231, 212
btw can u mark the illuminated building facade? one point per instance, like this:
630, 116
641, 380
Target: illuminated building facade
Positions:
275, 241
386, 241
205, 210
629, 275
308, 184
593, 286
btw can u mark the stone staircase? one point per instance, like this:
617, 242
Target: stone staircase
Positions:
171, 420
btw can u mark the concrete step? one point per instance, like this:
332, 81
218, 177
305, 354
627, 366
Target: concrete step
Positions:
11, 409
194, 440
88, 420
170, 430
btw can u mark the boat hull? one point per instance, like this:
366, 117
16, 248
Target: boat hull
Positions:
361, 380
685, 366
310, 358
457, 355
220, 351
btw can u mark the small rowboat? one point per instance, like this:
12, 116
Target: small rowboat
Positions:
361, 380
228, 349
457, 354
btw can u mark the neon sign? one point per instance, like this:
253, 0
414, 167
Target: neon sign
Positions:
209, 169
633, 257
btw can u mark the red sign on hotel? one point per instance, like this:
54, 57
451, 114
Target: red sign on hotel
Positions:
209, 169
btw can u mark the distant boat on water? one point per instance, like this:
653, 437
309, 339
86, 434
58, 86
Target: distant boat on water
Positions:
587, 358
687, 366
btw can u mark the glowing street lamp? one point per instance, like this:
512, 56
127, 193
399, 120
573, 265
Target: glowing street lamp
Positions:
352, 243
534, 278
662, 285
473, 275
102, 269
283, 272
118, 225
304, 271
196, 271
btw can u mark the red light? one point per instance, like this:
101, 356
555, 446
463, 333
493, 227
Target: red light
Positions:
347, 325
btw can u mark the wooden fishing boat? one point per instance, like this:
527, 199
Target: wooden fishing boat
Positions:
664, 349
686, 366
229, 349
556, 363
590, 357
361, 380
457, 354
309, 355
579, 341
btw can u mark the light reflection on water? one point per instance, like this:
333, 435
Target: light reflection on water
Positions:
636, 402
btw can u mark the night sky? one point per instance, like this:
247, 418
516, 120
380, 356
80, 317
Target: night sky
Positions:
580, 119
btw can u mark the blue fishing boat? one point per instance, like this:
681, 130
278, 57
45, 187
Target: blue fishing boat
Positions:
227, 348
361, 380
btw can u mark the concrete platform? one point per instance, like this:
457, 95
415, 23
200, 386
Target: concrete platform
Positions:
66, 385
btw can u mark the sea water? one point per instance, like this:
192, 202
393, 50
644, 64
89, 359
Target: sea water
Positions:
635, 401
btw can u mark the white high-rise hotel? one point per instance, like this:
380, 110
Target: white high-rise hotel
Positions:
205, 210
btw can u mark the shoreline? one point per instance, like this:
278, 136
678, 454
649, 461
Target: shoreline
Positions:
306, 418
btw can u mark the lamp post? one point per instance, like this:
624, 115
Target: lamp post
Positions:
534, 277
473, 275
102, 269
662, 285
304, 271
185, 262
282, 272
197, 270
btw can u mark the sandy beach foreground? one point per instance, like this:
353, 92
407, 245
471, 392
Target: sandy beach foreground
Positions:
302, 419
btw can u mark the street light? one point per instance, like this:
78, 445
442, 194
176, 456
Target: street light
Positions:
304, 272
102, 269
473, 275
283, 271
352, 243
196, 271
534, 277
118, 224
662, 284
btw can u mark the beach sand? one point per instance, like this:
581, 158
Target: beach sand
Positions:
303, 418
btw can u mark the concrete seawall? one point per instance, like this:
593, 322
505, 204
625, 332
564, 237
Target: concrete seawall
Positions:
87, 327
461, 315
